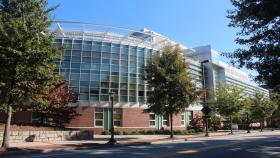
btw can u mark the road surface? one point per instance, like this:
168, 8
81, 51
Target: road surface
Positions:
264, 145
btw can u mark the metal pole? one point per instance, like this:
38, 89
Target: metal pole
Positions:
112, 139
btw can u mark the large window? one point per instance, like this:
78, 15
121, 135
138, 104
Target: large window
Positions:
117, 117
152, 119
183, 122
98, 116
165, 119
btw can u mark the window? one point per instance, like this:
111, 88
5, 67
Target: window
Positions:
183, 122
98, 116
190, 114
117, 117
152, 119
165, 119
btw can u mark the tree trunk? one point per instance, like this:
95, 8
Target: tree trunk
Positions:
261, 125
231, 132
6, 135
171, 126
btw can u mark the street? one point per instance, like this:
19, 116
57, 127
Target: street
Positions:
257, 145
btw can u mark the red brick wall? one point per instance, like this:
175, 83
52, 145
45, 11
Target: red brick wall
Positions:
18, 117
134, 117
84, 119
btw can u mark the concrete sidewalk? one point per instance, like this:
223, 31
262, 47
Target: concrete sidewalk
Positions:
101, 141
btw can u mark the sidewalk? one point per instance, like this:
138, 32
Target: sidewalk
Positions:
101, 141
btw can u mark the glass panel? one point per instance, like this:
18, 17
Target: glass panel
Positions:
106, 48
124, 79
104, 97
115, 56
123, 92
115, 49
96, 48
105, 84
104, 77
98, 115
76, 59
86, 53
114, 78
85, 77
104, 91
87, 47
105, 55
94, 90
123, 98
114, 85
83, 96
105, 68
123, 85
132, 99
86, 59
84, 89
85, 66
132, 86
84, 83
75, 65
115, 62
95, 77
77, 46
74, 76
95, 66
76, 53
94, 97
98, 123
132, 93
96, 54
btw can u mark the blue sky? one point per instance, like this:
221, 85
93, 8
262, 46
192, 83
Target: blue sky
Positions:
190, 22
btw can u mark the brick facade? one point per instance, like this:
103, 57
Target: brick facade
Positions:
85, 119
133, 119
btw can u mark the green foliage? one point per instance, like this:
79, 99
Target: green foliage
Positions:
260, 34
173, 90
27, 57
227, 102
262, 108
275, 97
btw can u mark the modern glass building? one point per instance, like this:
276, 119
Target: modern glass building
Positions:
97, 62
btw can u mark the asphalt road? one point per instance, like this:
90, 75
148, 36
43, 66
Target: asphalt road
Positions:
235, 146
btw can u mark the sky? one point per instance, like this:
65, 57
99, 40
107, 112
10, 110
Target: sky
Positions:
189, 22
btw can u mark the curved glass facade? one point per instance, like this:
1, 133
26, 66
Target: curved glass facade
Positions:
94, 68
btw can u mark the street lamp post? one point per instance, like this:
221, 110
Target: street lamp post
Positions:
206, 110
112, 139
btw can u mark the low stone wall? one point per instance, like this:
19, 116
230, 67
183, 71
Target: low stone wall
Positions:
39, 136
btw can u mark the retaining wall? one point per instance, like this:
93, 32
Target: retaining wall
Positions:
39, 136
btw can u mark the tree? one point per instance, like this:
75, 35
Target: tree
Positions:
227, 102
275, 117
57, 112
173, 90
27, 57
260, 34
262, 108
245, 113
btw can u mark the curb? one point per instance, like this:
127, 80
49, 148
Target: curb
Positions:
82, 147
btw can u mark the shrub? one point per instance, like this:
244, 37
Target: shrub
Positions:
118, 132
105, 132
125, 133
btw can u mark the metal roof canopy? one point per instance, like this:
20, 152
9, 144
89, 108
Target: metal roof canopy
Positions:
118, 33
